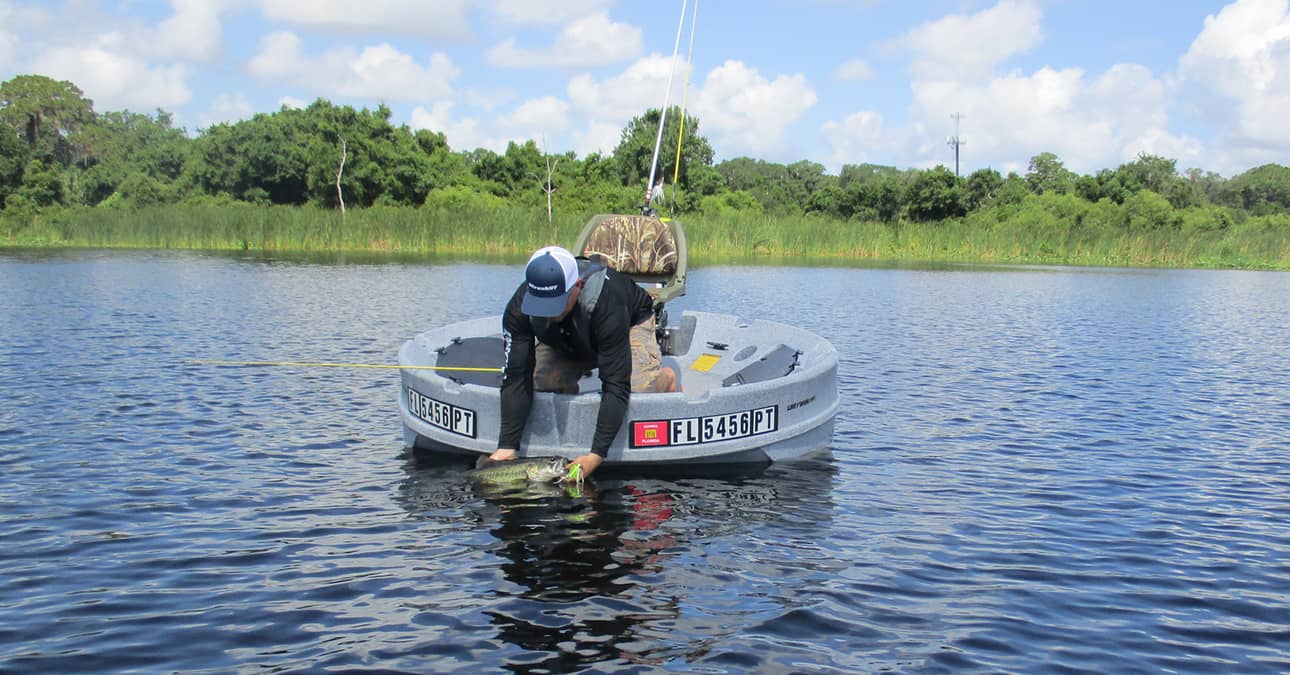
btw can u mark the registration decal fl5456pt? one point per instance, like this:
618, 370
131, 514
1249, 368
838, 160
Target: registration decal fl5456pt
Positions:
707, 429
446, 416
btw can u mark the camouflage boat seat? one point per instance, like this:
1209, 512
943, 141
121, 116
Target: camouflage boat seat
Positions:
648, 249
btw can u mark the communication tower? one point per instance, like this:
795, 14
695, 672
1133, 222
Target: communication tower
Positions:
956, 141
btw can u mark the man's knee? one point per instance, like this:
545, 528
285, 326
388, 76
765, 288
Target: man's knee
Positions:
666, 380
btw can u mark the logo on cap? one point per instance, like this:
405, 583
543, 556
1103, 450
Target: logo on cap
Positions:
551, 273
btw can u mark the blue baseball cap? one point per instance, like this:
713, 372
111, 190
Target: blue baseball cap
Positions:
552, 272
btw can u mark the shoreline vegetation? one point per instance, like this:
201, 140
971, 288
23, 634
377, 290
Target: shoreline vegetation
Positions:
331, 178
1061, 231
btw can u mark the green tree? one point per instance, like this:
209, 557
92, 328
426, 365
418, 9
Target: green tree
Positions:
829, 200
459, 198
768, 182
13, 161
636, 149
444, 167
877, 198
936, 194
524, 171
45, 112
1146, 211
1208, 185
1107, 184
1047, 174
384, 164
119, 145
863, 174
42, 186
1013, 191
262, 159
982, 186
728, 204
706, 181
1263, 190
1160, 175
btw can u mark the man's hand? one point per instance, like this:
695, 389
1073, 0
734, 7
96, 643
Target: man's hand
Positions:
589, 463
502, 454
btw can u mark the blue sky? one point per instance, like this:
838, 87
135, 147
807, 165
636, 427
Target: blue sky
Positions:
834, 81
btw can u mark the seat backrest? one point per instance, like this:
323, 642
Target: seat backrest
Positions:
640, 245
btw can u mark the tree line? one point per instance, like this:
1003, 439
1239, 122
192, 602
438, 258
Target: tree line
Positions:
56, 151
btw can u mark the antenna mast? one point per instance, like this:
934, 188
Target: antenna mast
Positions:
956, 141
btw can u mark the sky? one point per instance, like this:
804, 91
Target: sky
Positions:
1096, 82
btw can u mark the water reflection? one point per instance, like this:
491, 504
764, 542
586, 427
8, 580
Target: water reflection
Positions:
614, 572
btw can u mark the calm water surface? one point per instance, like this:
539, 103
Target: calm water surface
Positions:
1033, 470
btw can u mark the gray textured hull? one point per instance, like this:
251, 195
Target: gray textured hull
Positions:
752, 391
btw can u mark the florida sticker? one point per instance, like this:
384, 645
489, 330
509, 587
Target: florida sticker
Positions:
649, 434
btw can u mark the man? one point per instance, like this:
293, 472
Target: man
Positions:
568, 317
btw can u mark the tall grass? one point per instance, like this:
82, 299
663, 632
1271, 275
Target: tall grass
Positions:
1024, 235
499, 231
1256, 245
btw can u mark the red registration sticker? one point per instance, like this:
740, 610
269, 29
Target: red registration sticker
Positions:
649, 434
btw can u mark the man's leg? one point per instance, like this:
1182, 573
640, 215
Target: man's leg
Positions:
648, 373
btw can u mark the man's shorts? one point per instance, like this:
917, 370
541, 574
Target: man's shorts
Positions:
553, 371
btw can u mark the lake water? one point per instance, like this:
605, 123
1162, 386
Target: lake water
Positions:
1038, 469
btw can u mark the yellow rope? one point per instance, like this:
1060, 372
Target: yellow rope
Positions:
304, 364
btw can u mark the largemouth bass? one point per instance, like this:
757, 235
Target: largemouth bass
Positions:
533, 470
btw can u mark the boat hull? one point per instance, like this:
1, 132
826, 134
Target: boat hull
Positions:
736, 406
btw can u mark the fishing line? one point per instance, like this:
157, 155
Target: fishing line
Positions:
685, 97
662, 117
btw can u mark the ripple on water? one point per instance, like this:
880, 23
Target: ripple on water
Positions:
1032, 470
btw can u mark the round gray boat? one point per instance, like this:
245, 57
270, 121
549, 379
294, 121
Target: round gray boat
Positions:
750, 391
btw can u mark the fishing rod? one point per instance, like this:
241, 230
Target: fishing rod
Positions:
685, 97
662, 116
308, 364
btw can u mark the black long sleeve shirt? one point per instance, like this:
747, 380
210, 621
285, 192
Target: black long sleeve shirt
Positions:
621, 305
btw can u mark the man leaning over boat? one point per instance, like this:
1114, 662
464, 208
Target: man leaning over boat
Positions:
567, 318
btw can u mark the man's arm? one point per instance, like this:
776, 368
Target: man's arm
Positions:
517, 374
612, 324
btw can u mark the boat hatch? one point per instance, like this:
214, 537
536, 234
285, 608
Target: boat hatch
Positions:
779, 362
473, 352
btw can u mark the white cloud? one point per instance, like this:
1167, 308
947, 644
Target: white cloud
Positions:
9, 32
957, 46
1236, 75
546, 12
192, 33
537, 118
437, 19
115, 80
599, 137
228, 108
742, 112
118, 63
855, 69
279, 56
861, 138
462, 134
293, 103
642, 85
591, 41
608, 105
375, 72
1090, 123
